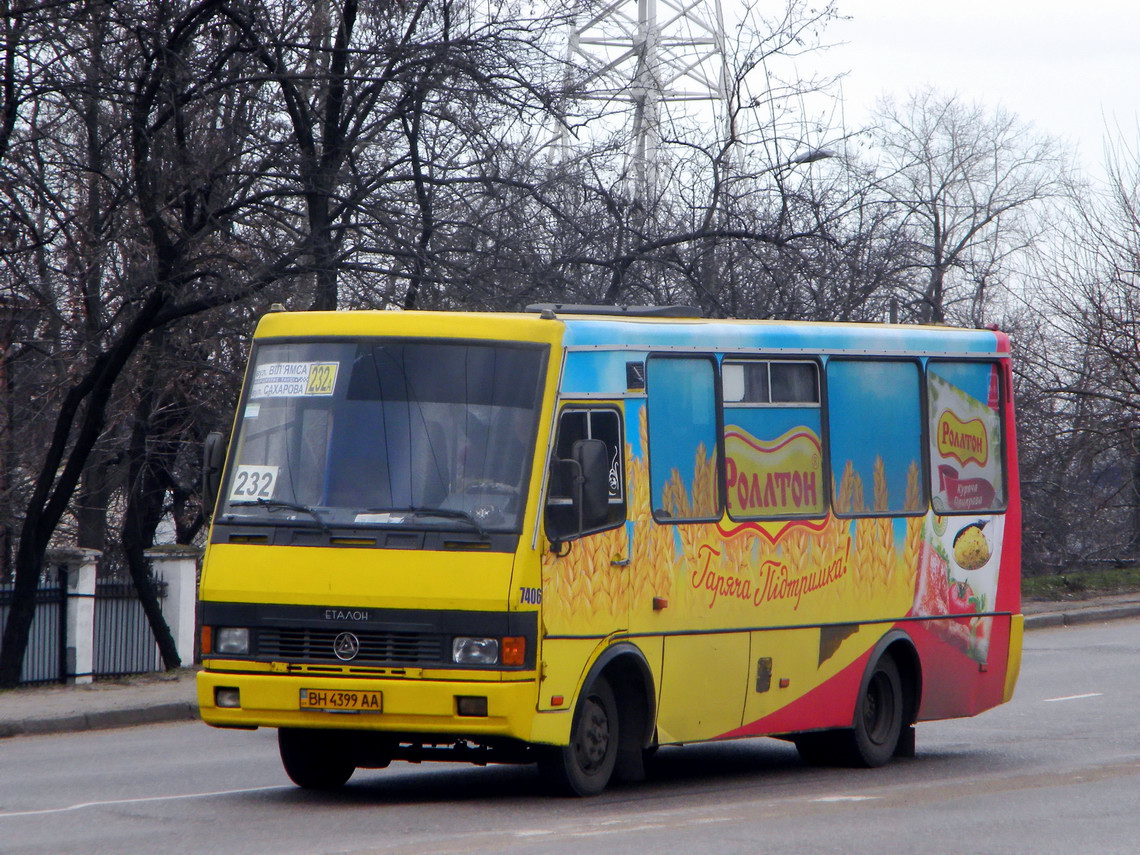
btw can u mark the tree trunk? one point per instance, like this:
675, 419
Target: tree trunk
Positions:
91, 502
151, 450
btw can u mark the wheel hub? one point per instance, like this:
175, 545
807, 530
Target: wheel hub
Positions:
594, 738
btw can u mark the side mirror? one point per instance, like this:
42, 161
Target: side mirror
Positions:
213, 459
592, 491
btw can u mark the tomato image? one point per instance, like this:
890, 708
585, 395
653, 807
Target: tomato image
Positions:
963, 601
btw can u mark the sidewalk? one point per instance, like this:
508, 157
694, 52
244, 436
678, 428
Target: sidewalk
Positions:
145, 699
154, 698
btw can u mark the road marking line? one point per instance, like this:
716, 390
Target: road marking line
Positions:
140, 800
1075, 697
623, 825
830, 799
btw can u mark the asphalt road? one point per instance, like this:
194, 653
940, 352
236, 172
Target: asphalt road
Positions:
1055, 771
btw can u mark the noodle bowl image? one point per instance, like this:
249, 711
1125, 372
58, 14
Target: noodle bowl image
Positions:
971, 549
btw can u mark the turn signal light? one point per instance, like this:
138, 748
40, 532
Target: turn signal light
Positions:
514, 650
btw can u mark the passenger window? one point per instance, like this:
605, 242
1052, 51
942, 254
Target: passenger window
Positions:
775, 382
875, 436
772, 446
573, 426
682, 415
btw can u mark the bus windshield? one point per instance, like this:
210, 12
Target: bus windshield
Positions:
387, 432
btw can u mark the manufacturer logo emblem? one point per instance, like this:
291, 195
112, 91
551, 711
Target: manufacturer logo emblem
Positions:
346, 646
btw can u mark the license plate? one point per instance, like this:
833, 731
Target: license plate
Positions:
336, 700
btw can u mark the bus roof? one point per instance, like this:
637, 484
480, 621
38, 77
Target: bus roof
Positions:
630, 328
778, 336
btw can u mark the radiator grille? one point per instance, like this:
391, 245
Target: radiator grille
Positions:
389, 648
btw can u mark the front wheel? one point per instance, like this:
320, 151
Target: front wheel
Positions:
314, 759
584, 767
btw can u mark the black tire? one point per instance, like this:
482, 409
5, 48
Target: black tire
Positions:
585, 766
314, 759
878, 726
878, 717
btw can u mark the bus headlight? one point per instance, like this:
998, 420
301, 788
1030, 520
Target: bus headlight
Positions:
232, 640
475, 651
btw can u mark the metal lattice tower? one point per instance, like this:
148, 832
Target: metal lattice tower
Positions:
653, 62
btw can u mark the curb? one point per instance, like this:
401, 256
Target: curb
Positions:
1080, 616
102, 719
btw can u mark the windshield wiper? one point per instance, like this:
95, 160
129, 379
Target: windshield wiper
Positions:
445, 513
282, 505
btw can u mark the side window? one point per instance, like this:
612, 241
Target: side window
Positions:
575, 425
966, 450
875, 436
683, 448
772, 446
755, 381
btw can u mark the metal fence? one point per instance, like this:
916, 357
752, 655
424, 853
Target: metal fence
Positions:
124, 643
46, 660
122, 639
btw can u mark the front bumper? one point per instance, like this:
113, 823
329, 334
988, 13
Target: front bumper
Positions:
410, 706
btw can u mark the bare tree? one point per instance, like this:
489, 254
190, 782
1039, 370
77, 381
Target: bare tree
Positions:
1081, 375
207, 191
724, 188
170, 191
964, 181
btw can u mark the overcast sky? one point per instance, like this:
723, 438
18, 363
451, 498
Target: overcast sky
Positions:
1067, 67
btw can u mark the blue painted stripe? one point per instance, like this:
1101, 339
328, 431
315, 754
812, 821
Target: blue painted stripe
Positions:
732, 335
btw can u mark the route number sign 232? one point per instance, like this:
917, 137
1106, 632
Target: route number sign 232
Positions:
253, 482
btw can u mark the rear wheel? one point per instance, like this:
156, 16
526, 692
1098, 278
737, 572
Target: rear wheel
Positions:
584, 767
314, 759
878, 725
878, 717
